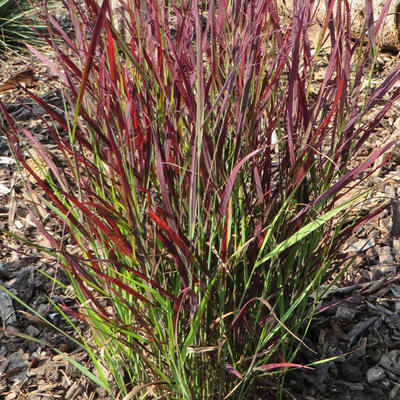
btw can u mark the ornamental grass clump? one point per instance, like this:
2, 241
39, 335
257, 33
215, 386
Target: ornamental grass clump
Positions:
200, 179
17, 25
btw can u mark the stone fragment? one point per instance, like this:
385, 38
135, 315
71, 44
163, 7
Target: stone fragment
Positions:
390, 191
358, 329
23, 283
7, 312
385, 361
32, 331
43, 309
394, 355
379, 270
7, 160
385, 255
375, 374
18, 224
386, 269
361, 245
394, 392
358, 261
4, 190
345, 313
372, 253
396, 245
14, 366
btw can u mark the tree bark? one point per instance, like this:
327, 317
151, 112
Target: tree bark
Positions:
387, 38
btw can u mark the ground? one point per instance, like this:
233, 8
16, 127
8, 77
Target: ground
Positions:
357, 323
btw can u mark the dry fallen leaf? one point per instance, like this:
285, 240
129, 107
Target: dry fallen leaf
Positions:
25, 77
38, 165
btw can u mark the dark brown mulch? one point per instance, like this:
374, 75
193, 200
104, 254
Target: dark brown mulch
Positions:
30, 369
357, 324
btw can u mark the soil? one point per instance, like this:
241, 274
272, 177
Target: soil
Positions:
357, 321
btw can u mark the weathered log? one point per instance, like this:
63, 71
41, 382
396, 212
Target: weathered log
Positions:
387, 38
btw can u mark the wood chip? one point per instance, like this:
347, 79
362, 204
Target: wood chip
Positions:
26, 77
338, 332
395, 231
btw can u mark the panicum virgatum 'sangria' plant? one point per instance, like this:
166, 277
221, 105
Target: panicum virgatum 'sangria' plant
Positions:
201, 181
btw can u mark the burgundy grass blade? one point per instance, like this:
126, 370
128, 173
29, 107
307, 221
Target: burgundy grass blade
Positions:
283, 365
233, 371
232, 180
